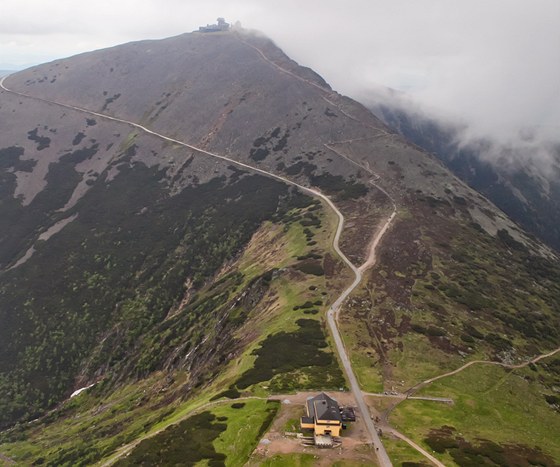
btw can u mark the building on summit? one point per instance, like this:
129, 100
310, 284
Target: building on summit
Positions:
220, 26
323, 416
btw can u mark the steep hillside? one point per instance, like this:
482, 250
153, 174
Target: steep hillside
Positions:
108, 264
526, 190
238, 95
171, 275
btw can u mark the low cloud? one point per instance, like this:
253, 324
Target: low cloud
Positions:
489, 67
490, 64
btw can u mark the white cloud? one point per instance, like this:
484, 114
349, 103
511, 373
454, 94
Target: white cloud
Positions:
492, 63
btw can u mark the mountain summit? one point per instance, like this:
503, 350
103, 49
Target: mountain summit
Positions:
180, 221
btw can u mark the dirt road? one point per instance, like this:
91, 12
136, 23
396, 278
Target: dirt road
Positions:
382, 457
422, 384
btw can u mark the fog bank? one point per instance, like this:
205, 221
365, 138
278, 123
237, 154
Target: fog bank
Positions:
491, 64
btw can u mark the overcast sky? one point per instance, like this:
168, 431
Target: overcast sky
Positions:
493, 63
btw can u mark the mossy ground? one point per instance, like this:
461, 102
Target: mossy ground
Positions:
245, 427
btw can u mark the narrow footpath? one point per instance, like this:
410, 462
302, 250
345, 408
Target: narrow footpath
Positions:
422, 384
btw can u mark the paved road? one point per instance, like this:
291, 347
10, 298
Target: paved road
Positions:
382, 457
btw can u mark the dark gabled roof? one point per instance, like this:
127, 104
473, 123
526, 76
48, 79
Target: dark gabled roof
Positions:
323, 407
309, 420
347, 414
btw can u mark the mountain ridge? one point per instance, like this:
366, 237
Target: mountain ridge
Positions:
236, 146
523, 189
292, 130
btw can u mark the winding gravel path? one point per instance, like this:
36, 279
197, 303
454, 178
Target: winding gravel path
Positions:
332, 314
422, 384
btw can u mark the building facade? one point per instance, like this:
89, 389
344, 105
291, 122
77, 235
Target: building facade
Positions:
323, 416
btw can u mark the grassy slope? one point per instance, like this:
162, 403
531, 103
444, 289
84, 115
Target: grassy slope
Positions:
296, 460
245, 426
400, 452
94, 293
492, 403
290, 290
279, 246
223, 435
444, 293
103, 423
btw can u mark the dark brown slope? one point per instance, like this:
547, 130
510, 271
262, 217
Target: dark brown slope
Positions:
528, 192
103, 233
237, 94
209, 88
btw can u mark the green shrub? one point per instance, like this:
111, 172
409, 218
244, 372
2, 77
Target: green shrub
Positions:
186, 443
310, 267
284, 352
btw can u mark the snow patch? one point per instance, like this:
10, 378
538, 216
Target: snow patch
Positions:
79, 391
